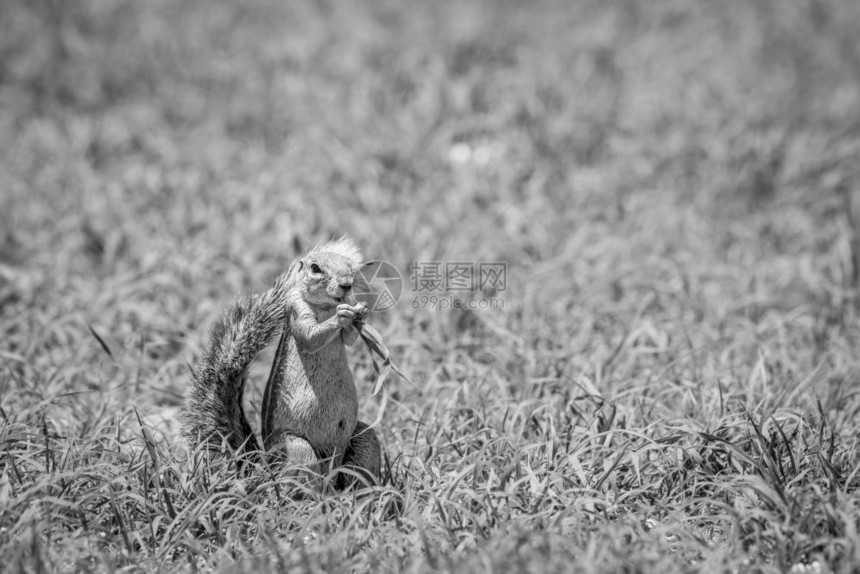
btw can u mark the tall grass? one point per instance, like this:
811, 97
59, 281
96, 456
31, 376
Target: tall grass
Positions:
671, 385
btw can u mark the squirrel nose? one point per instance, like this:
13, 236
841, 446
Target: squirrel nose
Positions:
346, 287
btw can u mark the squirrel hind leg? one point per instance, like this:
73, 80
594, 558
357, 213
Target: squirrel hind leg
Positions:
362, 457
293, 452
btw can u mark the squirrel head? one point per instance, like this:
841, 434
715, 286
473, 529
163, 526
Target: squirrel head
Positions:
327, 271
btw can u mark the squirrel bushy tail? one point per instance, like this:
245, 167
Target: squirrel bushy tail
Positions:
213, 410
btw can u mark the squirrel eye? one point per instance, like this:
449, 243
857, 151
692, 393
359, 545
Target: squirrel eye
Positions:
315, 268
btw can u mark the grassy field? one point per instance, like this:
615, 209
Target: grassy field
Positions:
670, 386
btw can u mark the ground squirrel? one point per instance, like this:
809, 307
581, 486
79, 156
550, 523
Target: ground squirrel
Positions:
310, 405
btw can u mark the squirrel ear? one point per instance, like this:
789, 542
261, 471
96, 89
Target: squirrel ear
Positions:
300, 265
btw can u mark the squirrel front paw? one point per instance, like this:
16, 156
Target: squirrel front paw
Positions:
345, 316
361, 310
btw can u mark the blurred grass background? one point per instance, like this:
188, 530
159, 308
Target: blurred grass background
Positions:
672, 184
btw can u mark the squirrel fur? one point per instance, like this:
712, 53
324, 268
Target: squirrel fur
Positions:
310, 403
